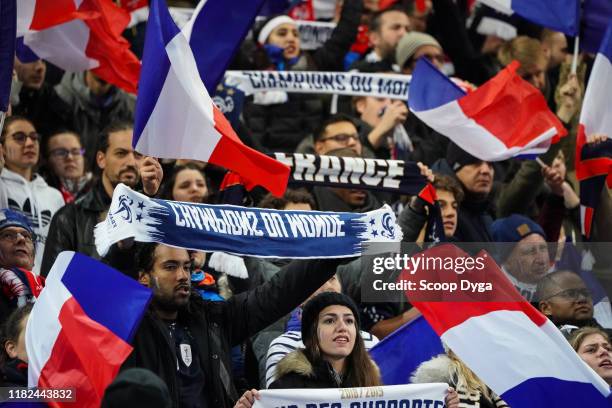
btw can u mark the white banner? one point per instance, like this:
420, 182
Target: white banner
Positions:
313, 34
392, 86
391, 396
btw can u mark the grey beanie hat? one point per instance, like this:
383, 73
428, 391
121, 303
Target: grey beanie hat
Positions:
409, 43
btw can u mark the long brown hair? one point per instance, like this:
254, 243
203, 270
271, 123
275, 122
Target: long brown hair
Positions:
361, 370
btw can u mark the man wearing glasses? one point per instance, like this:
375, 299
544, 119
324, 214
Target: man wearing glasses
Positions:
18, 285
27, 192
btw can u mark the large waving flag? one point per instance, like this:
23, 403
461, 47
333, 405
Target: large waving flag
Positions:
175, 116
36, 15
8, 19
503, 118
594, 162
215, 31
395, 362
596, 15
558, 15
512, 347
91, 39
77, 338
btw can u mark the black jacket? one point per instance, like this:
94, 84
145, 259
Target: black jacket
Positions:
217, 326
295, 370
474, 220
72, 227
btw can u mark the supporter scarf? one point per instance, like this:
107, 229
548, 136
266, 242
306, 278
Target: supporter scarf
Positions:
240, 230
394, 176
391, 396
392, 86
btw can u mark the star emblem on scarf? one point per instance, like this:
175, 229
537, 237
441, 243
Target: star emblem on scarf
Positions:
141, 205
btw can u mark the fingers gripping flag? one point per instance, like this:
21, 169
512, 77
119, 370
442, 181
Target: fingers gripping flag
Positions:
175, 116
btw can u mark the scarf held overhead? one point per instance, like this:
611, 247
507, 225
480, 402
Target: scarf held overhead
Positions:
242, 231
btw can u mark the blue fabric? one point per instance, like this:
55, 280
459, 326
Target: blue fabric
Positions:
606, 45
8, 32
514, 228
107, 296
430, 88
596, 16
553, 392
558, 15
24, 53
295, 320
399, 354
12, 218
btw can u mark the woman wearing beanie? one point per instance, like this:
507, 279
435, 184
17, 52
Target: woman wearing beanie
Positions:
333, 357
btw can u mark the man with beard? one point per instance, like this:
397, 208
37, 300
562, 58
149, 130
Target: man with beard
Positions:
186, 340
72, 227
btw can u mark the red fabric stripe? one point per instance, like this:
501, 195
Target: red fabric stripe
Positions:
590, 167
444, 310
118, 65
428, 193
511, 109
86, 356
254, 167
48, 13
588, 221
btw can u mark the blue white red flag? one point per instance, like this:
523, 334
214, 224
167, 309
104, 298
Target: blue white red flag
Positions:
501, 119
175, 115
594, 161
77, 338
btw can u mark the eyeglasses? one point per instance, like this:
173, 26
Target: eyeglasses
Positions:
571, 294
20, 137
342, 138
64, 153
13, 236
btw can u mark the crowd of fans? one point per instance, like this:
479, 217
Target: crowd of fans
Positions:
66, 145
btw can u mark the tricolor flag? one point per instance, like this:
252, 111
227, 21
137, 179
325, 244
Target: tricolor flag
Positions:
37, 15
513, 348
558, 15
594, 162
503, 118
175, 116
8, 20
88, 38
79, 330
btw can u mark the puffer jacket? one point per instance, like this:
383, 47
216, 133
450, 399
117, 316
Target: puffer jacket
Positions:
37, 201
72, 227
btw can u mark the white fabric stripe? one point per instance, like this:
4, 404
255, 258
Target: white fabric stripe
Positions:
503, 6
452, 122
595, 114
530, 352
187, 28
25, 14
43, 326
182, 122
63, 45
602, 313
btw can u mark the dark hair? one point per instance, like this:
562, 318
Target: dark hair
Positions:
113, 127
59, 131
548, 281
447, 183
336, 118
165, 191
376, 19
12, 328
145, 258
9, 121
298, 196
361, 371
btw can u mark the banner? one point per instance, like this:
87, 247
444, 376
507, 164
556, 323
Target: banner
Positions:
393, 396
313, 34
242, 230
392, 86
395, 176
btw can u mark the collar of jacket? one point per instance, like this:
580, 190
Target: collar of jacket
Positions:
95, 199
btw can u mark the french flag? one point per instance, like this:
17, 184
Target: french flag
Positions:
558, 15
594, 162
514, 348
79, 35
175, 116
76, 337
503, 118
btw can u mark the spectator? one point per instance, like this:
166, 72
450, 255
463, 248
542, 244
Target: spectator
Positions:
527, 261
187, 341
554, 44
38, 101
19, 286
280, 121
186, 183
27, 191
291, 339
65, 163
136, 388
93, 103
72, 227
337, 132
415, 45
14, 362
593, 346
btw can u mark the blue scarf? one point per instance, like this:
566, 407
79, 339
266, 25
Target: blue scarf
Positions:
275, 54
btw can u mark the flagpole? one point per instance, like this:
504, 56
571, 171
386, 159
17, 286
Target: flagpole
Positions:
575, 57
2, 116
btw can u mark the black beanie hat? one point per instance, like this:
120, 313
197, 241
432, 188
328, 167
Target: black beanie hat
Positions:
457, 157
136, 388
312, 308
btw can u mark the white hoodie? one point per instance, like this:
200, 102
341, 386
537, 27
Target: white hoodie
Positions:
37, 201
